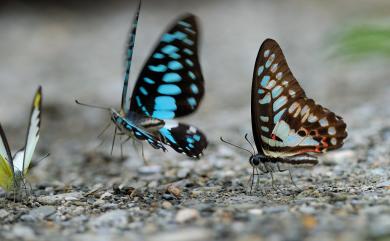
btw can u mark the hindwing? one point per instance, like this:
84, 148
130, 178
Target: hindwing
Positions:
284, 121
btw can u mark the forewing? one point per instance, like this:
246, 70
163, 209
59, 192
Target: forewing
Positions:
284, 121
171, 82
184, 138
125, 105
6, 165
33, 131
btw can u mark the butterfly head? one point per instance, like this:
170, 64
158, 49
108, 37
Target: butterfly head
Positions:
116, 117
255, 160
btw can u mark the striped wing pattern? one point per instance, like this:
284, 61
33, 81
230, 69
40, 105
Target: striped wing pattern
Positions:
284, 121
171, 83
137, 130
125, 104
184, 138
23, 157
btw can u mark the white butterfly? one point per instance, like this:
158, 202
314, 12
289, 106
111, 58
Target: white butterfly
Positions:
14, 168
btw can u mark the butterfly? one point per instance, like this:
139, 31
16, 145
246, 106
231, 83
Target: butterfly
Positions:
169, 86
13, 169
286, 124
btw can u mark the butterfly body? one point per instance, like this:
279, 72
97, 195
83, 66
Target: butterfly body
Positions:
286, 124
278, 164
13, 169
138, 126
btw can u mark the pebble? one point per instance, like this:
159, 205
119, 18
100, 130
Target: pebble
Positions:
166, 205
149, 169
39, 213
383, 184
183, 172
255, 212
55, 199
114, 218
175, 191
3, 214
187, 234
168, 196
24, 232
342, 156
186, 215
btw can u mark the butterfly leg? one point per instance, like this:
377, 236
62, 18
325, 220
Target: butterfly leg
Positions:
264, 170
279, 169
292, 180
251, 179
104, 130
25, 188
113, 140
258, 180
146, 162
273, 182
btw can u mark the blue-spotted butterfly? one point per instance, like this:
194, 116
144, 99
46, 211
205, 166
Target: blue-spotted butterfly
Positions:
286, 124
170, 85
14, 168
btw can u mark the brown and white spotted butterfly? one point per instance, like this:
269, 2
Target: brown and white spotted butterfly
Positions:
286, 124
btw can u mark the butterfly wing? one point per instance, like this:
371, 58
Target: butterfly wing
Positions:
171, 82
284, 121
23, 157
125, 105
184, 138
6, 165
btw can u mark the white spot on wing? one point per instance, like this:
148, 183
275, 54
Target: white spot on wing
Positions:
279, 76
324, 122
331, 130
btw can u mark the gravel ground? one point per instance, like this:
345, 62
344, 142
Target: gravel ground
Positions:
82, 193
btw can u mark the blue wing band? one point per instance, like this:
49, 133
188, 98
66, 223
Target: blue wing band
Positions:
184, 138
171, 83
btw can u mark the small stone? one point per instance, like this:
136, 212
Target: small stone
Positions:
114, 218
187, 234
105, 195
183, 172
277, 209
309, 221
24, 232
55, 199
175, 191
39, 213
385, 184
168, 197
94, 189
307, 209
255, 212
3, 214
342, 156
149, 170
166, 205
186, 215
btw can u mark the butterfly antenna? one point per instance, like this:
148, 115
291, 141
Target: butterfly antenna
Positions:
239, 147
92, 106
247, 139
42, 158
